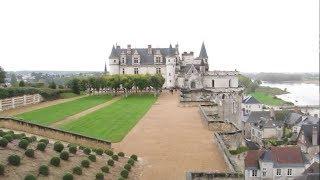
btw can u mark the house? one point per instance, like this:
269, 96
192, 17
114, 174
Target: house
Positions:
296, 120
275, 163
312, 172
308, 139
249, 104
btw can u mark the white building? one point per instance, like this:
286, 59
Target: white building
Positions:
249, 104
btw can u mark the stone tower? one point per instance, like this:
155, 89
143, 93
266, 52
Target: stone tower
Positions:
170, 67
114, 62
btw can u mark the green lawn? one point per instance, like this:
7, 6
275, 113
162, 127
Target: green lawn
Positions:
113, 122
51, 114
267, 99
68, 95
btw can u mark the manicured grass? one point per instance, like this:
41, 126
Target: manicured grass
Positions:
113, 122
268, 99
57, 112
68, 95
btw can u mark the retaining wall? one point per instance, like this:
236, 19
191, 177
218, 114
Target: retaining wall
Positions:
19, 101
52, 133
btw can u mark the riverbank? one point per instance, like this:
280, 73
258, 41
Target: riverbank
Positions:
268, 96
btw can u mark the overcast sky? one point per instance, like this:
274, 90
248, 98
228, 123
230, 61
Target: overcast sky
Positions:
247, 35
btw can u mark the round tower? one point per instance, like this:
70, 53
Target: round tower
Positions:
114, 62
170, 68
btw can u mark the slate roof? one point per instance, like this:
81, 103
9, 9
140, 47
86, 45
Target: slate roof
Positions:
307, 129
203, 52
256, 116
294, 118
250, 100
314, 168
145, 58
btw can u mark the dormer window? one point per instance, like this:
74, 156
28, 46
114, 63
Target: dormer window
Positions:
158, 59
136, 60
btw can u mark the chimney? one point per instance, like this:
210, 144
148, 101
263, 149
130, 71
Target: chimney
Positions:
149, 50
129, 49
272, 114
118, 47
314, 135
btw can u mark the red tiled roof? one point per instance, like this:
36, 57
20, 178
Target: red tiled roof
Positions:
252, 157
287, 155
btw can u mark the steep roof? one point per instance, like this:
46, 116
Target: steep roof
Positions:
252, 158
307, 130
203, 52
250, 100
294, 118
313, 168
113, 53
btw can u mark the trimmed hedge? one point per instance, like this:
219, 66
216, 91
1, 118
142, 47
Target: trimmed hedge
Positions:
110, 162
134, 157
23, 143
124, 173
87, 151
115, 157
109, 152
121, 154
92, 158
99, 176
85, 163
105, 169
41, 146
77, 170
55, 161
131, 162
73, 149
99, 151
67, 176
58, 146
46, 93
3, 142
44, 170
30, 177
29, 153
8, 137
14, 160
127, 167
64, 155
46, 141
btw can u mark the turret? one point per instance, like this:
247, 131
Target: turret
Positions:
202, 67
170, 67
114, 61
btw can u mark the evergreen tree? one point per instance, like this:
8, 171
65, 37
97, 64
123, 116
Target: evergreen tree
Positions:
2, 75
22, 83
52, 85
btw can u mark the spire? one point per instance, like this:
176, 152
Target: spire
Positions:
203, 52
113, 53
105, 67
202, 63
171, 51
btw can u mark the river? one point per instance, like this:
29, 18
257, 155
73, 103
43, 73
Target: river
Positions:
300, 94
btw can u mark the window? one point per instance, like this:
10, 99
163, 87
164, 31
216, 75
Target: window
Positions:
212, 83
278, 172
114, 61
158, 59
136, 60
122, 60
123, 71
254, 172
264, 172
136, 71
158, 70
193, 84
229, 82
169, 74
289, 172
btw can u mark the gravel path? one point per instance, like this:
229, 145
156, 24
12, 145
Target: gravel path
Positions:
171, 140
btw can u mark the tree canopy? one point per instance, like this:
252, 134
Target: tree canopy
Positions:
2, 75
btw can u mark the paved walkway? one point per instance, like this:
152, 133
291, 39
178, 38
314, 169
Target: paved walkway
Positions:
20, 110
83, 113
171, 140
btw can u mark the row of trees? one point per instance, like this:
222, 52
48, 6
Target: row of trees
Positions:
249, 85
117, 82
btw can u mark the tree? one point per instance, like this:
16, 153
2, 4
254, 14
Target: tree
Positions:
127, 83
74, 84
52, 85
13, 79
157, 81
141, 82
2, 75
22, 83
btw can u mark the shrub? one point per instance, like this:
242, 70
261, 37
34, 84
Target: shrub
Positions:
8, 137
73, 149
32, 139
2, 133
87, 151
115, 157
131, 162
67, 176
58, 146
23, 143
85, 163
121, 178
3, 142
44, 170
46, 141
99, 176
239, 150
64, 155
82, 147
105, 169
41, 146
121, 154
127, 167
26, 138
134, 157
99, 151
124, 173
109, 152
92, 158
14, 160
29, 153
77, 170
110, 162
17, 136
1, 169
55, 161
30, 177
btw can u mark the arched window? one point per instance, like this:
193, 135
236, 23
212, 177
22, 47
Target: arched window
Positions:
212, 82
229, 82
193, 84
223, 96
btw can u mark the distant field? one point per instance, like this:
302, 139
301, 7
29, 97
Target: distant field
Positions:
114, 121
58, 112
268, 99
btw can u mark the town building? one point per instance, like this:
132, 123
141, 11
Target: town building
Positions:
309, 139
249, 104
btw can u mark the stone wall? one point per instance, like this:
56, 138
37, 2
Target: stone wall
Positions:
212, 176
52, 133
19, 101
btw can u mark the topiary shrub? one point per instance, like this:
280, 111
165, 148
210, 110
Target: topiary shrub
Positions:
32, 138
92, 158
73, 149
1, 169
99, 151
87, 151
121, 178
124, 173
58, 146
55, 161
29, 153
82, 147
17, 136
115, 157
85, 163
14, 160
8, 137
2, 133
67, 176
110, 162
44, 170
41, 146
64, 155
109, 152
3, 142
23, 143
46, 141
131, 162
99, 176
127, 167
30, 177
105, 169
121, 154
134, 157
26, 138
77, 170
